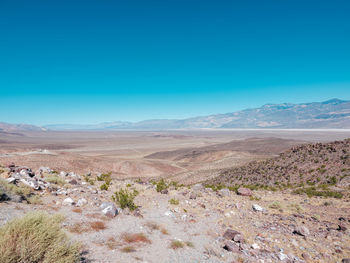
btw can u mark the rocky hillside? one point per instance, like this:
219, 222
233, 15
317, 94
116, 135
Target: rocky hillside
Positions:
319, 163
166, 222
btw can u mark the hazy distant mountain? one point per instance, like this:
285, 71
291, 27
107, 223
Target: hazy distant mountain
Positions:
7, 127
333, 113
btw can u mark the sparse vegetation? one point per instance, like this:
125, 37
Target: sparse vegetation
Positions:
125, 198
54, 179
135, 238
173, 201
161, 185
128, 249
36, 237
176, 244
97, 225
313, 191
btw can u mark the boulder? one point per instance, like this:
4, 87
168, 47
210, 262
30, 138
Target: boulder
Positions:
82, 202
224, 192
231, 246
109, 209
193, 196
63, 174
232, 235
301, 230
198, 187
244, 191
46, 169
68, 201
257, 208
164, 192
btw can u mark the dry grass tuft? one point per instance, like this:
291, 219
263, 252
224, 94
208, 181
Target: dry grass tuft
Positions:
135, 238
77, 210
36, 237
112, 243
98, 225
128, 249
175, 244
164, 231
82, 227
152, 225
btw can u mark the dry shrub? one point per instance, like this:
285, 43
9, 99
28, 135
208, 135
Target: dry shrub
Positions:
112, 243
79, 228
164, 231
128, 249
175, 244
98, 225
77, 210
135, 238
152, 225
36, 237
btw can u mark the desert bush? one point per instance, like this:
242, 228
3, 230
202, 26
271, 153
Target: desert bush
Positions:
36, 237
173, 201
54, 179
161, 185
104, 187
125, 199
105, 177
313, 191
275, 205
14, 189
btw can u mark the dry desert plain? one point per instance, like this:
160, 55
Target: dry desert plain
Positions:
187, 223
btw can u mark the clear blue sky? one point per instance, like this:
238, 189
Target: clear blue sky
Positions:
67, 61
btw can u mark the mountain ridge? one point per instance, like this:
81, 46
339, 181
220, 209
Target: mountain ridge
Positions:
329, 114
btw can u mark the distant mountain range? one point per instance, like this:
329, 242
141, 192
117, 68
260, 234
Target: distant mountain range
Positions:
334, 113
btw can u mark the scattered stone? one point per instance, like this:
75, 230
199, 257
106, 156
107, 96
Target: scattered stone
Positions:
341, 227
244, 191
63, 174
257, 208
82, 202
302, 231
233, 235
193, 196
73, 182
164, 192
255, 246
198, 188
224, 192
109, 209
231, 246
68, 201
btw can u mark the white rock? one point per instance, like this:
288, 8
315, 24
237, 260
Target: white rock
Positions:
68, 201
257, 208
63, 174
255, 246
169, 213
82, 202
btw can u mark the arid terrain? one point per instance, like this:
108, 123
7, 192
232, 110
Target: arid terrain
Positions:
186, 196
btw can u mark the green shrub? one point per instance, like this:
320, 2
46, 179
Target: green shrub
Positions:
174, 201
105, 177
161, 185
34, 238
312, 191
54, 179
125, 199
104, 187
